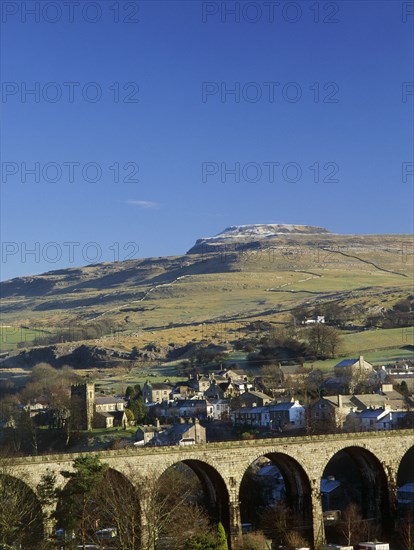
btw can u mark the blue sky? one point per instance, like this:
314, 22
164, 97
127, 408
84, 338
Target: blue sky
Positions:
356, 133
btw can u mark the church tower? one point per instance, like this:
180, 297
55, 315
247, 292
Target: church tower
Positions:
82, 404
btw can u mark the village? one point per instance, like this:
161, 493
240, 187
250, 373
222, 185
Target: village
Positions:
292, 401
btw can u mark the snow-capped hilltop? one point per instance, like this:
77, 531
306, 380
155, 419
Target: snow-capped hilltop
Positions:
267, 230
254, 233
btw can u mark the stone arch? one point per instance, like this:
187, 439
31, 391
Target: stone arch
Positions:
117, 505
405, 472
298, 487
20, 504
213, 485
365, 480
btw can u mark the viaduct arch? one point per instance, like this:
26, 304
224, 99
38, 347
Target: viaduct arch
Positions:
221, 466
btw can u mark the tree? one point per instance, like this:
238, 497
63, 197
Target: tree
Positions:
253, 541
129, 392
137, 407
130, 416
172, 506
353, 527
325, 341
279, 522
406, 531
79, 496
221, 537
136, 404
293, 539
203, 541
27, 433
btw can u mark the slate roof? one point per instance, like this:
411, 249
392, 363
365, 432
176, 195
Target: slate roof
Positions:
371, 413
347, 363
248, 410
329, 485
160, 386
291, 369
282, 406
254, 393
270, 470
191, 402
108, 400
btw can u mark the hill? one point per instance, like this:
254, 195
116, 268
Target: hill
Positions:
220, 286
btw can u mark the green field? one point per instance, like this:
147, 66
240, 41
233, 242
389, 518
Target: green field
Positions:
379, 338
11, 335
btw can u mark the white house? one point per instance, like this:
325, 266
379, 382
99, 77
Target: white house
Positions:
218, 409
289, 415
315, 320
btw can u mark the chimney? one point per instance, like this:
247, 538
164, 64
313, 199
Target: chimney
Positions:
157, 423
361, 362
340, 401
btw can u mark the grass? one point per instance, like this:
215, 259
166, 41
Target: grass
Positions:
379, 338
11, 335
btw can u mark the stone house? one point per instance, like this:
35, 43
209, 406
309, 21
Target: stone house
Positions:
182, 389
221, 390
352, 367
156, 392
199, 382
186, 408
146, 433
183, 433
397, 375
342, 411
215, 391
289, 375
258, 417
240, 383
251, 399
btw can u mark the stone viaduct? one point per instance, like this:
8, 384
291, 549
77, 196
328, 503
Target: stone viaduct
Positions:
221, 466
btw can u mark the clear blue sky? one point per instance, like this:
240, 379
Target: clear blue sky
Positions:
367, 132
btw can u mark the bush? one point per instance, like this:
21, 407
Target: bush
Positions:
253, 541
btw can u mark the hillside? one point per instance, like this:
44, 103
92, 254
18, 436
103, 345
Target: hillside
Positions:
246, 273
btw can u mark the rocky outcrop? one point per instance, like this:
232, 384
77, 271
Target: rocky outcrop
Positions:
252, 236
80, 356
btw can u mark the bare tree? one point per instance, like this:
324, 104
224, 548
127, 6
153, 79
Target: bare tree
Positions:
353, 528
172, 508
294, 539
406, 531
21, 519
325, 341
281, 524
